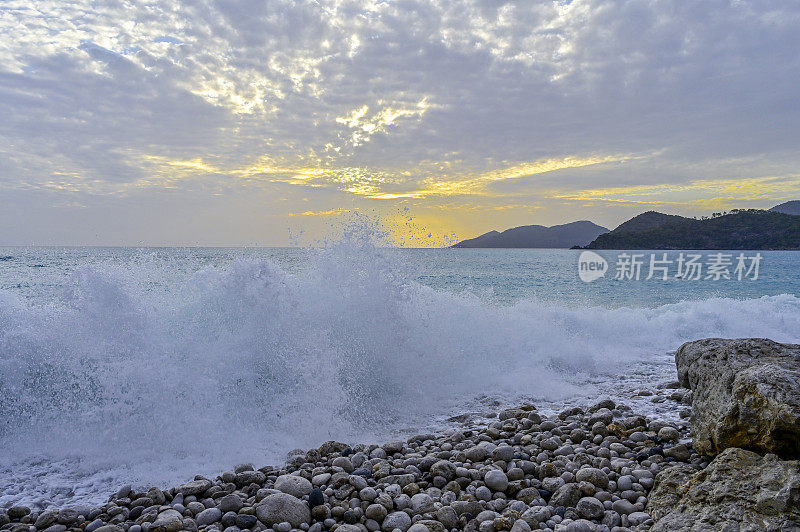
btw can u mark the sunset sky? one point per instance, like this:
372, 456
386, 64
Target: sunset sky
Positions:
244, 122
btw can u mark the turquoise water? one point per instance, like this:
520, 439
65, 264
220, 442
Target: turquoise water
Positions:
149, 366
499, 275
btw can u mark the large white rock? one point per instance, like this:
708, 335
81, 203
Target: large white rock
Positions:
745, 393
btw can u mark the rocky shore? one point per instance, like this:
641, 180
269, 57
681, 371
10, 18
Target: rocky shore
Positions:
598, 468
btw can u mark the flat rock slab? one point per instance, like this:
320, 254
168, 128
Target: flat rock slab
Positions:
746, 394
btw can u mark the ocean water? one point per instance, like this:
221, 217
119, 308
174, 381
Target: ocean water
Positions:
148, 366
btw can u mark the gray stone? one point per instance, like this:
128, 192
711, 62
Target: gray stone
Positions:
447, 516
581, 525
567, 495
738, 490
421, 503
625, 482
520, 525
745, 394
230, 503
496, 480
534, 516
669, 434
206, 517
476, 454
67, 516
462, 507
282, 507
623, 507
168, 521
445, 469
394, 520
590, 508
293, 485
595, 476
376, 512
638, 518
46, 519
358, 482
679, 452
18, 512
428, 525
504, 453
322, 478
245, 521
195, 487
393, 447
245, 478
91, 527
344, 463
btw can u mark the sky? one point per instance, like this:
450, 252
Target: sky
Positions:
275, 122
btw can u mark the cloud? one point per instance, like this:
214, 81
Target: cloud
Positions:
342, 103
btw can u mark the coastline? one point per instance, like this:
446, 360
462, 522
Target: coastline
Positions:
604, 468
428, 475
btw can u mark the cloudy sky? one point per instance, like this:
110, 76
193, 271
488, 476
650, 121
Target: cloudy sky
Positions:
244, 122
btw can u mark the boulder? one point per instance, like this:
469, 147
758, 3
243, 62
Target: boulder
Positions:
745, 393
738, 490
280, 507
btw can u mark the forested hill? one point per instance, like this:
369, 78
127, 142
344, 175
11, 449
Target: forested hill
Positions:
741, 229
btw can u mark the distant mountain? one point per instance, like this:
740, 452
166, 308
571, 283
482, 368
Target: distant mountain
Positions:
648, 220
741, 229
790, 207
537, 236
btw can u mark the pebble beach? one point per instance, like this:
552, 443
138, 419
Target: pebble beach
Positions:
578, 469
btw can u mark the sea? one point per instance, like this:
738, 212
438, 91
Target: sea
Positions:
147, 366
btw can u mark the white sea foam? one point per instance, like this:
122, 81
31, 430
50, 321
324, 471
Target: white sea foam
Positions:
115, 383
